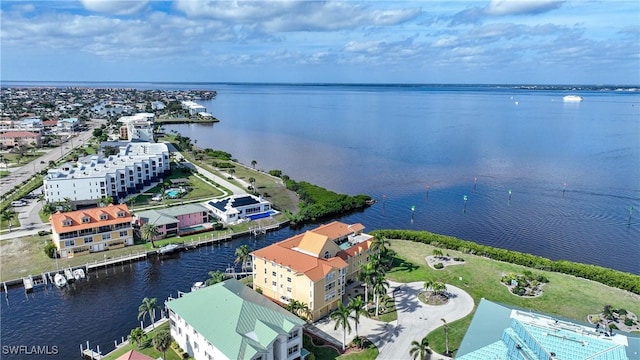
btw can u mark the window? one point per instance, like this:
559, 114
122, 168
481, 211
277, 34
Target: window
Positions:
88, 239
289, 290
104, 216
293, 335
273, 273
106, 237
123, 233
66, 222
293, 350
327, 254
120, 214
288, 279
273, 283
68, 243
86, 219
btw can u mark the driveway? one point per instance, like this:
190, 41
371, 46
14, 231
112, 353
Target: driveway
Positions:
415, 320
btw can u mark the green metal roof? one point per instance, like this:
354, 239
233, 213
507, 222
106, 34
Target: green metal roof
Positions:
168, 215
234, 318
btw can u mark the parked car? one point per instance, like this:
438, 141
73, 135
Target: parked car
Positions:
18, 203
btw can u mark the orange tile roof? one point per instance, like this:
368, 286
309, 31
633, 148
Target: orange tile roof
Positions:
134, 355
94, 218
312, 241
19, 134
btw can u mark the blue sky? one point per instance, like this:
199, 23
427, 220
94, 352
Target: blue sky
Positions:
493, 41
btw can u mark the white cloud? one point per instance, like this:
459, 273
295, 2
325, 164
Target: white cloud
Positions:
114, 7
521, 7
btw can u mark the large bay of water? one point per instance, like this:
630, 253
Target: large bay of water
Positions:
573, 170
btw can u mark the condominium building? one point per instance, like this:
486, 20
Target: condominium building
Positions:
228, 320
312, 267
93, 177
91, 230
20, 138
193, 107
137, 127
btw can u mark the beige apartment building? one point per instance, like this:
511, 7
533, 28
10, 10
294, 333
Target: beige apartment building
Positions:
313, 267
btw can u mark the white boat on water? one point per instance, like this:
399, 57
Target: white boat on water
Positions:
168, 248
572, 98
78, 274
69, 275
59, 280
197, 286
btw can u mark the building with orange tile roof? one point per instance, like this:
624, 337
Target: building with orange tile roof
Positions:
134, 355
17, 138
91, 230
312, 267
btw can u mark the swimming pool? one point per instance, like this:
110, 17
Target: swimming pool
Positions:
261, 215
172, 193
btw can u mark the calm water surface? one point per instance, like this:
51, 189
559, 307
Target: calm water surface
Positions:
406, 146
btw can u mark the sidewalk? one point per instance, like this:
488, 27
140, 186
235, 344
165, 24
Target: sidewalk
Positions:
415, 320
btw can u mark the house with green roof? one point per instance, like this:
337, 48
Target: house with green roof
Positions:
229, 320
174, 220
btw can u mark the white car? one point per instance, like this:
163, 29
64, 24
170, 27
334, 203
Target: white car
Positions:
18, 203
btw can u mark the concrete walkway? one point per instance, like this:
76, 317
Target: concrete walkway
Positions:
415, 320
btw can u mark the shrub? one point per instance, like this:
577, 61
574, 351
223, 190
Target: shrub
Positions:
458, 259
613, 326
43, 232
628, 322
622, 312
259, 290
50, 249
311, 356
438, 266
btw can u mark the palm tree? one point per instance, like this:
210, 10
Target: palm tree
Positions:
7, 216
149, 232
438, 288
341, 316
446, 335
380, 245
437, 252
254, 163
148, 307
243, 253
48, 208
231, 171
380, 286
137, 336
106, 200
215, 277
162, 341
420, 350
357, 306
66, 205
52, 164
252, 181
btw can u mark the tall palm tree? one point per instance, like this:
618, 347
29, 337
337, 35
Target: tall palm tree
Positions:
162, 341
7, 216
380, 285
420, 350
252, 181
243, 253
446, 335
254, 163
357, 306
106, 200
148, 307
231, 171
148, 232
380, 245
341, 316
366, 275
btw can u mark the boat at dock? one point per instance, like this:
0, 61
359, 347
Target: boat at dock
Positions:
69, 275
169, 248
198, 285
572, 98
78, 274
59, 280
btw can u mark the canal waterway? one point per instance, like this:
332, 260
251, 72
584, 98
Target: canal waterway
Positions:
573, 170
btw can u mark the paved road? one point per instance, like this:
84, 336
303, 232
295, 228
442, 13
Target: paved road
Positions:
23, 173
415, 320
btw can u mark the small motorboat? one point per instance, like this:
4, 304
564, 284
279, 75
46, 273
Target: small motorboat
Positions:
78, 274
59, 280
198, 285
69, 275
168, 248
572, 98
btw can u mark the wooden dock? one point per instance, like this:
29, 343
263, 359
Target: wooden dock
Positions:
117, 260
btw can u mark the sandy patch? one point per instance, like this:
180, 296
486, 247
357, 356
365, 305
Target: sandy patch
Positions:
445, 260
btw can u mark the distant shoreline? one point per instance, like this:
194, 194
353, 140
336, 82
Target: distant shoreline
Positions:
161, 120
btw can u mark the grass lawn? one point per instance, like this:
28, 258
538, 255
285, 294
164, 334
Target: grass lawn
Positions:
4, 173
321, 352
147, 348
565, 296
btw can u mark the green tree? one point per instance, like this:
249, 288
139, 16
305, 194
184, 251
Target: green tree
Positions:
137, 337
380, 286
148, 307
149, 232
254, 163
216, 277
437, 252
357, 306
341, 316
446, 335
380, 244
7, 216
298, 308
367, 274
252, 181
106, 200
420, 350
50, 249
162, 341
232, 171
243, 254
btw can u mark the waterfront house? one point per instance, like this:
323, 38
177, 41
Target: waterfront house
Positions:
229, 320
192, 107
312, 267
174, 220
68, 125
91, 230
500, 332
135, 166
238, 207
